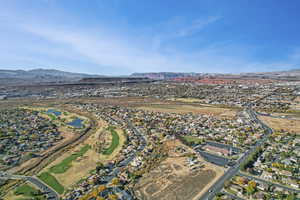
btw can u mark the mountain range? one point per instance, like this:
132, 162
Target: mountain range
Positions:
39, 76
17, 77
295, 74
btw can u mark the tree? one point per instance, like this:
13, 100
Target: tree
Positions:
115, 182
112, 197
94, 193
101, 188
291, 197
250, 190
99, 167
252, 184
241, 180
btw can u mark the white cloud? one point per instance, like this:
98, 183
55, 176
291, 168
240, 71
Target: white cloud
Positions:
196, 26
119, 53
106, 50
124, 54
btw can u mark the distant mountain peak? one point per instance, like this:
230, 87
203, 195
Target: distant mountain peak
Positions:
41, 75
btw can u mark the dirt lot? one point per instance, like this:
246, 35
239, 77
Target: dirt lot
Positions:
174, 178
199, 109
187, 100
11, 196
289, 125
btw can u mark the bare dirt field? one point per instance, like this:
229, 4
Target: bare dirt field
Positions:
199, 109
175, 179
187, 100
289, 125
11, 195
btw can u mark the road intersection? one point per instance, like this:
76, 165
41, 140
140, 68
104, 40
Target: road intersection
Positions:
232, 171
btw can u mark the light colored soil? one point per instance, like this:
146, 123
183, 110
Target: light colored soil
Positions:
209, 110
11, 196
174, 179
186, 100
282, 124
219, 172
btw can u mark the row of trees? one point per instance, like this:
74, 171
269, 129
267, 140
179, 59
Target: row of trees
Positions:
251, 160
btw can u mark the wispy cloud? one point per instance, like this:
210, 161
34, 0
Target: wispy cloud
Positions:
128, 55
177, 28
106, 50
196, 26
117, 52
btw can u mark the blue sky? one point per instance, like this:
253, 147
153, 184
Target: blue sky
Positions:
123, 36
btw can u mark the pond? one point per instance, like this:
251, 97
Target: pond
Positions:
55, 112
76, 123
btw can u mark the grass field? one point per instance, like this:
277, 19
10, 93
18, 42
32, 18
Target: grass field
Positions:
114, 142
191, 139
51, 181
63, 166
26, 191
52, 116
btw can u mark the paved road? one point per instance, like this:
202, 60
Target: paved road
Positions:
271, 183
50, 193
131, 156
232, 171
215, 159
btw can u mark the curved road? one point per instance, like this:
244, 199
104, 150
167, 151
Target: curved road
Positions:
50, 193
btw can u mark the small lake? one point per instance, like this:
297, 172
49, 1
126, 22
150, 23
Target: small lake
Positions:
55, 112
76, 123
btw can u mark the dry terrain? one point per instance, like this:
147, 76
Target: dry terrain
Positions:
290, 125
197, 109
187, 100
175, 179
